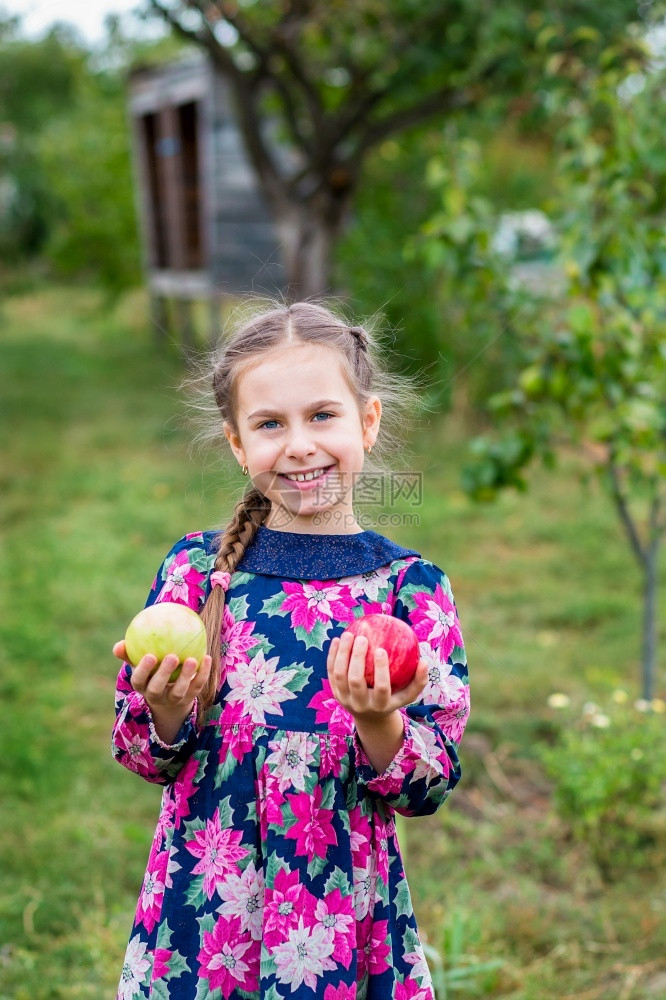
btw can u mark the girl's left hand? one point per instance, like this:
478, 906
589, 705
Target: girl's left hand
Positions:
346, 674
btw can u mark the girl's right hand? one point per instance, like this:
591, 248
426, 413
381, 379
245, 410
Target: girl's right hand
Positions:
170, 702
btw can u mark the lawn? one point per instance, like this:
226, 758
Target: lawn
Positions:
98, 479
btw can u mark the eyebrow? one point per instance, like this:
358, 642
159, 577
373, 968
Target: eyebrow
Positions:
317, 405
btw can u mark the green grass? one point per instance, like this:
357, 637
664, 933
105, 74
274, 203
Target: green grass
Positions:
97, 482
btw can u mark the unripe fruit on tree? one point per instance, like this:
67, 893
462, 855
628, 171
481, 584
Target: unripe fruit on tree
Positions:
397, 638
166, 628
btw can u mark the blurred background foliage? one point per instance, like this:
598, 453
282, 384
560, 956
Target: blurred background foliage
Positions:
516, 256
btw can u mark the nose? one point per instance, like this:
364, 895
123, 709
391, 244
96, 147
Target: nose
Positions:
299, 443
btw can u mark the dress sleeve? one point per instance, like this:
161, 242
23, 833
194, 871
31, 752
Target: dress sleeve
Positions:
183, 578
427, 767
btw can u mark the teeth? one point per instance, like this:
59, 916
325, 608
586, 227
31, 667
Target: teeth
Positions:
304, 478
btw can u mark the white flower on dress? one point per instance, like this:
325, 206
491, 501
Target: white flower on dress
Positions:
426, 745
443, 687
368, 585
421, 971
243, 897
365, 889
260, 687
305, 955
134, 970
290, 760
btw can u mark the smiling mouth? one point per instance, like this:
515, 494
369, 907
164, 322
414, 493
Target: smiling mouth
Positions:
305, 477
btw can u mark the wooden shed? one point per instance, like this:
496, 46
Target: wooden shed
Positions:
206, 230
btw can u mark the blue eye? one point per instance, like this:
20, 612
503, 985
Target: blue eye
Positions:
321, 413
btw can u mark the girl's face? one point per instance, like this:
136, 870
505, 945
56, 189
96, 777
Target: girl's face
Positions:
297, 414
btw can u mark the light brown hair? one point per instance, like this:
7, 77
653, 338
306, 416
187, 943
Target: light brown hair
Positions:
366, 372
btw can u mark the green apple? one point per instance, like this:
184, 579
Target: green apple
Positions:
166, 628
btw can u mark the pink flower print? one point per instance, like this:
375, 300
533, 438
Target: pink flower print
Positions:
341, 992
365, 888
329, 711
305, 955
453, 719
284, 904
243, 896
337, 912
183, 582
443, 686
152, 891
435, 621
313, 830
218, 849
360, 836
260, 687
184, 787
269, 800
225, 961
316, 601
368, 585
135, 967
137, 749
426, 758
377, 608
161, 958
410, 990
236, 733
289, 762
332, 753
373, 951
419, 965
236, 638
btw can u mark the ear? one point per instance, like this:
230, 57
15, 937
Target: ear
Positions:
234, 442
371, 420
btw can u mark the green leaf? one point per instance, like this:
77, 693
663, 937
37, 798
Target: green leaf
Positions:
195, 895
301, 677
274, 864
317, 866
238, 606
226, 813
177, 966
315, 638
338, 879
273, 605
225, 769
403, 902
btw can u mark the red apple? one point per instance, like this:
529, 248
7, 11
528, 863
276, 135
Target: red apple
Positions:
166, 628
399, 641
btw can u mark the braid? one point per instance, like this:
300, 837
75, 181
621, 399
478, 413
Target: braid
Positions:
248, 515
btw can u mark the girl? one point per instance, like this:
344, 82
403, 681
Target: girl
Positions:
275, 869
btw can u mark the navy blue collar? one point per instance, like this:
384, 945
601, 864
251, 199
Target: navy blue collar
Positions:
290, 554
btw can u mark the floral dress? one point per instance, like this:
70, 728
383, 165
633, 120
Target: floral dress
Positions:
275, 869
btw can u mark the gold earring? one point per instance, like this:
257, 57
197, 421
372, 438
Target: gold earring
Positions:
369, 449
244, 470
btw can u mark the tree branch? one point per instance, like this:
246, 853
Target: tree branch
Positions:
622, 505
244, 93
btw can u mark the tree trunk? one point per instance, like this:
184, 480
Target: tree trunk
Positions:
650, 581
307, 234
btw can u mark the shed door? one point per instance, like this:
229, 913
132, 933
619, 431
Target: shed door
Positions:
169, 140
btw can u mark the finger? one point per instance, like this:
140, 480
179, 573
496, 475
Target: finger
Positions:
162, 676
382, 685
341, 665
356, 673
201, 677
142, 672
182, 684
332, 652
414, 689
119, 650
